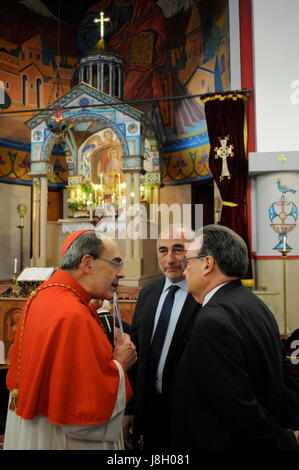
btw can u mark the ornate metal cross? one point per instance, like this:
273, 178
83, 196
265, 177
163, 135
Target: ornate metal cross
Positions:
224, 151
102, 22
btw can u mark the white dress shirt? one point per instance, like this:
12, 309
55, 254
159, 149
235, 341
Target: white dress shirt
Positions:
179, 300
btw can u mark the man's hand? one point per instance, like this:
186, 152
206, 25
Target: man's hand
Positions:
297, 436
125, 352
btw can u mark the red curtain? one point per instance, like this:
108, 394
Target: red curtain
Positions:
225, 116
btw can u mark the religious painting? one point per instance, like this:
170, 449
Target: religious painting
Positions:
10, 312
171, 48
101, 159
141, 53
28, 42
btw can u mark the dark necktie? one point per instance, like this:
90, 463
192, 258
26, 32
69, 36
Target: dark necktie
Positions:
161, 330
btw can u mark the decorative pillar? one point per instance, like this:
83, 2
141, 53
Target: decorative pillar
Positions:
156, 195
39, 223
120, 83
35, 221
129, 247
43, 219
137, 242
111, 81
102, 77
90, 75
99, 84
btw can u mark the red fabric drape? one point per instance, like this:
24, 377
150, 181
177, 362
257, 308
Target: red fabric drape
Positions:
225, 116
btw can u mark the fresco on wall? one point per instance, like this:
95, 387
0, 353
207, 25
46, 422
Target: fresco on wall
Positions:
15, 164
170, 47
100, 158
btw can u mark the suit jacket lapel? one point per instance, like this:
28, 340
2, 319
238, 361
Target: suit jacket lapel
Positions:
150, 307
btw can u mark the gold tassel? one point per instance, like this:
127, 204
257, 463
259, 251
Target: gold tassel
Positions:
14, 399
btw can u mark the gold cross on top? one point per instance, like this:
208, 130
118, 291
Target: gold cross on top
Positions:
102, 21
282, 159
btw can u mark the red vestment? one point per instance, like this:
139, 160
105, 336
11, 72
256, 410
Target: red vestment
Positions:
142, 81
67, 373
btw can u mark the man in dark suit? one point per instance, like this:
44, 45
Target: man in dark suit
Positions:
155, 369
229, 391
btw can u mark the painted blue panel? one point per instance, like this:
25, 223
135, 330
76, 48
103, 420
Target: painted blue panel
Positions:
187, 143
190, 180
15, 145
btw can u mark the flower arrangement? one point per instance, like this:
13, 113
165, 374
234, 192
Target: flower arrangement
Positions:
81, 200
73, 204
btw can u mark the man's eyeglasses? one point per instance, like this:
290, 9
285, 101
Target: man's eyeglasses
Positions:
118, 265
185, 261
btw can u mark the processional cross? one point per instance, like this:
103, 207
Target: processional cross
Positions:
224, 151
102, 22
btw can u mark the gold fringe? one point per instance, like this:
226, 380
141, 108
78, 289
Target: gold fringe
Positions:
14, 400
233, 96
245, 133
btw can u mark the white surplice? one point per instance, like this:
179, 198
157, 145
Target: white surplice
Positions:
40, 434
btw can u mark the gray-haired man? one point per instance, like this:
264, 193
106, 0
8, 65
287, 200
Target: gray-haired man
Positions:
229, 391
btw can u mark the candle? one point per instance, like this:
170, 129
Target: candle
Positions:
284, 246
15, 266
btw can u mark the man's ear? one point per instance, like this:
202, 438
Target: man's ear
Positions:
86, 262
209, 264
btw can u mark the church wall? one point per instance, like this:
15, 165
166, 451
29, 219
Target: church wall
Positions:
270, 288
178, 194
276, 74
172, 194
10, 196
276, 84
